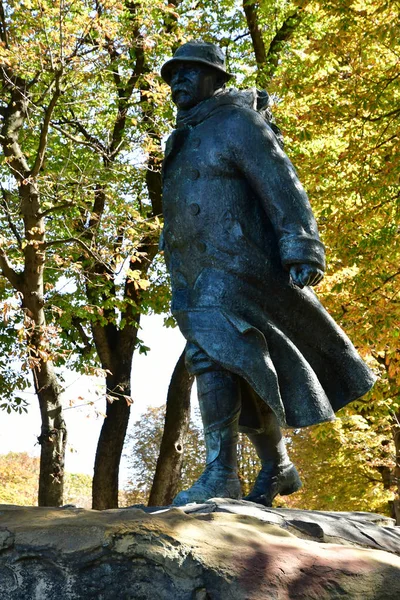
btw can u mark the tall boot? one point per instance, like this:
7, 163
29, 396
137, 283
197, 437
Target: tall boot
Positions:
278, 475
219, 400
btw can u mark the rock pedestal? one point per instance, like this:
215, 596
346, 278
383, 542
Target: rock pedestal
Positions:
220, 550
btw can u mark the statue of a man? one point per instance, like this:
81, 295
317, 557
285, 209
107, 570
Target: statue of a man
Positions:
242, 248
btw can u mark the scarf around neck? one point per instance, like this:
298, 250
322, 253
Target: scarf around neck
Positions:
195, 115
251, 98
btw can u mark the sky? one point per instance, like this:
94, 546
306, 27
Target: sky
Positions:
150, 379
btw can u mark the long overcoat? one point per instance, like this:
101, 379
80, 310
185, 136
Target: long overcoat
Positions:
236, 217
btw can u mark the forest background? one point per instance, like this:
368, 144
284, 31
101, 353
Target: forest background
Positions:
84, 118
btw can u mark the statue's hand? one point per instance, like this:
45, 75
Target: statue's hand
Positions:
305, 274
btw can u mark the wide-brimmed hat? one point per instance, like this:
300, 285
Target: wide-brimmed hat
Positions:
198, 52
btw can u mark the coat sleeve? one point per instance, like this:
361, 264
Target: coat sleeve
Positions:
258, 156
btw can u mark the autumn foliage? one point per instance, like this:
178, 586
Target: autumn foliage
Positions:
84, 115
19, 477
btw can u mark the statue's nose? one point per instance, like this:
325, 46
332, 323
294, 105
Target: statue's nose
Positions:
176, 77
179, 74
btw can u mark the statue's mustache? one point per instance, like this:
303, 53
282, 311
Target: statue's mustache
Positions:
180, 88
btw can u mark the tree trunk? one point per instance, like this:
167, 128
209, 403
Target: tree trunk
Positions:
115, 346
52, 439
53, 436
169, 464
268, 60
111, 441
396, 437
30, 282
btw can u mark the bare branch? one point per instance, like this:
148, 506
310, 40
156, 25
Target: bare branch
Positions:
171, 23
81, 54
154, 182
386, 141
378, 287
11, 81
85, 38
34, 80
114, 55
45, 129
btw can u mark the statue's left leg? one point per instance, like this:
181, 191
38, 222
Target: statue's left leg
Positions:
278, 474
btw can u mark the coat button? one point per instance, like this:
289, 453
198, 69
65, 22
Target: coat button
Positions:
194, 174
196, 141
194, 208
201, 247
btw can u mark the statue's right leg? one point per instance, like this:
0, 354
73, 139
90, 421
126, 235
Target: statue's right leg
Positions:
220, 402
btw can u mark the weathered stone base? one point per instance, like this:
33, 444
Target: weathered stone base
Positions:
221, 550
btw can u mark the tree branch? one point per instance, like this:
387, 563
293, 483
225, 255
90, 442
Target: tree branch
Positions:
45, 128
267, 61
81, 243
384, 282
378, 287
77, 140
53, 209
13, 228
101, 340
114, 55
38, 103
14, 117
98, 209
77, 323
15, 278
240, 36
154, 182
125, 93
391, 113
94, 142
3, 29
251, 11
281, 37
386, 141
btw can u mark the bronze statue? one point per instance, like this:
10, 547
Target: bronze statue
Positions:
242, 248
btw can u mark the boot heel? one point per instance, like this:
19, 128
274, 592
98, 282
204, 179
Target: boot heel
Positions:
267, 486
291, 489
292, 483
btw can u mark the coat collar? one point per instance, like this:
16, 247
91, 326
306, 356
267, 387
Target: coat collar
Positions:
203, 110
187, 119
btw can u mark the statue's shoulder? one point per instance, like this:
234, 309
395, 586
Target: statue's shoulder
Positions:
241, 124
240, 115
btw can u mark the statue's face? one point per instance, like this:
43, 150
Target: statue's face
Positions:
191, 83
